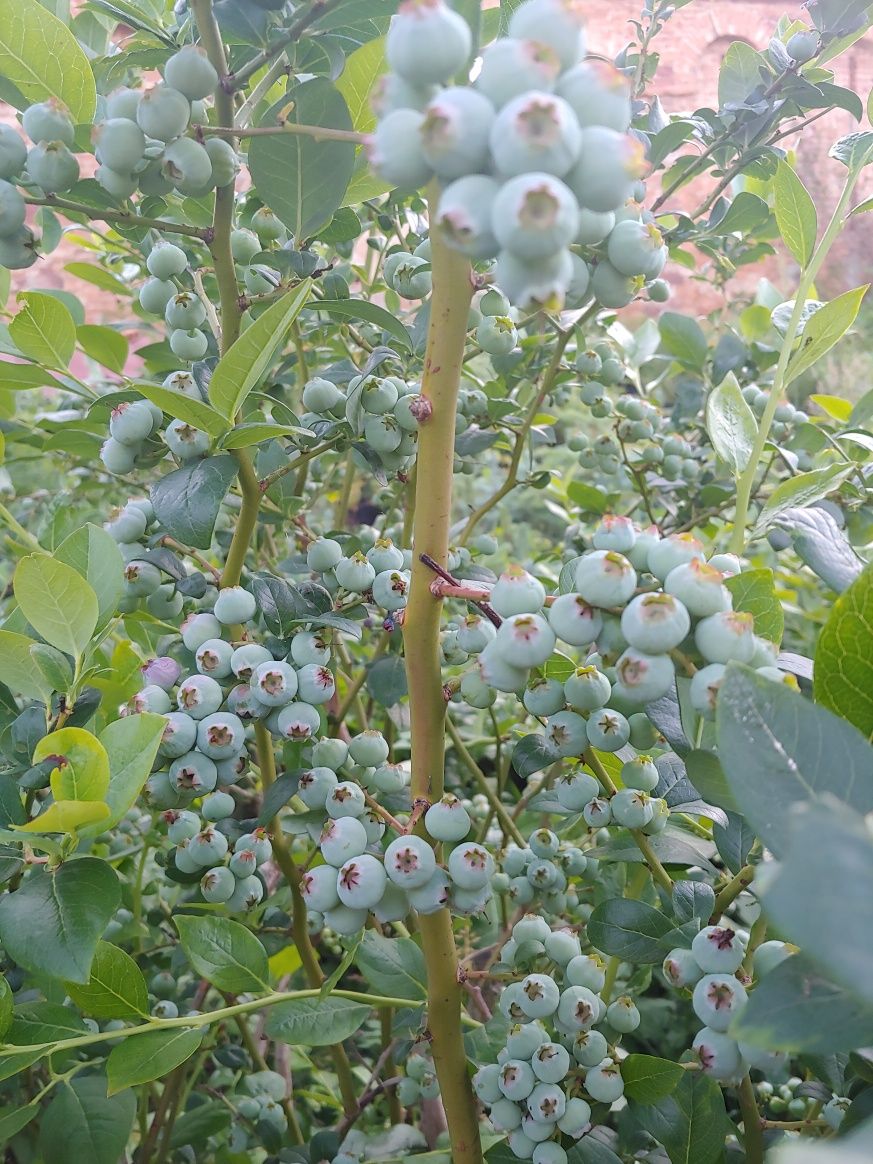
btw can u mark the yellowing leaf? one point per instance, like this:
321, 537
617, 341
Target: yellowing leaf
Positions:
66, 816
284, 961
834, 406
82, 772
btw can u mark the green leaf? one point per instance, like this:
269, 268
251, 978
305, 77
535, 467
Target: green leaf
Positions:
795, 213
315, 1022
778, 749
41, 57
20, 377
5, 1006
370, 312
21, 672
246, 435
796, 1008
150, 1056
44, 329
386, 680
242, 368
224, 952
187, 501
630, 930
705, 773
731, 424
131, 744
53, 922
823, 329
740, 73
843, 674
825, 905
116, 988
195, 412
682, 337
11, 1122
648, 1079
54, 665
304, 180
57, 602
103, 344
82, 1123
801, 490
393, 966
82, 771
94, 554
754, 591
361, 71
692, 1122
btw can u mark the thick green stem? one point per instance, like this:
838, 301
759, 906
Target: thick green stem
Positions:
807, 281
452, 291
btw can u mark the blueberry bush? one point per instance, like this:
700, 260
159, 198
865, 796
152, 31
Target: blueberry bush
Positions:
436, 693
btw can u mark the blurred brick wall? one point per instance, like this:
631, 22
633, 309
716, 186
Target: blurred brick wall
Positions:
691, 50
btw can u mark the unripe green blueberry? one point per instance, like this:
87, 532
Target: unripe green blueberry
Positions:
214, 658
538, 998
155, 294
122, 102
608, 165
718, 949
234, 604
395, 151
220, 735
576, 1118
185, 310
803, 46
534, 216
659, 290
536, 132
768, 956
718, 1054
188, 166
575, 789
244, 245
475, 691
525, 640
188, 345
163, 113
186, 442
410, 862
608, 730
346, 798
427, 42
217, 884
151, 698
672, 551
517, 592
604, 1082
391, 589
539, 284
505, 1116
704, 688
496, 335
392, 92
640, 773
120, 144
361, 882
12, 210
412, 277
455, 132
194, 774
48, 121
13, 152
179, 736
605, 578
198, 628
218, 806
598, 93
512, 67
622, 1014
130, 423
517, 1080
578, 1009
470, 866
561, 946
574, 620
544, 696
181, 826
643, 678
718, 999
267, 225
297, 721
726, 636
655, 622
633, 247
199, 696
612, 289
555, 23
485, 1083
566, 733
248, 893
141, 579
587, 689
51, 165
681, 968
190, 71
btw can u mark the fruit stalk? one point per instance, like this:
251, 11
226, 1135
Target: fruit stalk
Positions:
452, 292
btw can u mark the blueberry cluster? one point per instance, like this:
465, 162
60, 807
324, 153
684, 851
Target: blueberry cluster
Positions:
534, 157
358, 877
382, 571
384, 411
540, 872
420, 1081
136, 426
712, 969
560, 1052
263, 1093
633, 602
